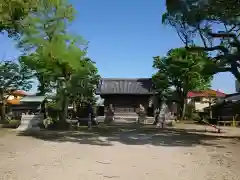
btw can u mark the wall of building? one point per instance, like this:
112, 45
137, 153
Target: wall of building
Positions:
126, 102
198, 103
199, 106
201, 102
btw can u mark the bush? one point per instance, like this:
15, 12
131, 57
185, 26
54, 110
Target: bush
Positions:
196, 117
54, 124
49, 121
213, 121
11, 124
191, 114
58, 125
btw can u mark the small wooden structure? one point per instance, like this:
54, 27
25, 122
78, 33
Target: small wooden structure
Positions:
126, 95
227, 110
28, 104
30, 122
33, 112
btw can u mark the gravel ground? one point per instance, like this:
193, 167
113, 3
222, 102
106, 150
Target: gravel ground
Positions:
124, 155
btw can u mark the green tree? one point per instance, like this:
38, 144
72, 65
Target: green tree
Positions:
12, 12
84, 83
182, 70
13, 76
215, 23
58, 59
42, 29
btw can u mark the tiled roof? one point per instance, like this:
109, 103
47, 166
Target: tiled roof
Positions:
19, 92
232, 97
33, 99
125, 86
207, 93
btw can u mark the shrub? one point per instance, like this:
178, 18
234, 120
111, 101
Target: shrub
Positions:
49, 121
11, 124
54, 124
196, 117
213, 120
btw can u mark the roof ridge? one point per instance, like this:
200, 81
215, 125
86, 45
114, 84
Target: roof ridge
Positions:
126, 78
207, 90
125, 85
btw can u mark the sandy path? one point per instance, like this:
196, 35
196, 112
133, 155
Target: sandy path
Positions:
26, 158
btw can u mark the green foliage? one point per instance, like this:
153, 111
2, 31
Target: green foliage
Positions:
83, 83
215, 23
12, 12
183, 70
14, 76
191, 114
53, 104
223, 10
58, 59
11, 124
161, 79
49, 122
49, 50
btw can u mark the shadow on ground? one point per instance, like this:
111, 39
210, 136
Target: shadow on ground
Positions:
130, 135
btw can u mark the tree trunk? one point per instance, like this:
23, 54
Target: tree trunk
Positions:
2, 106
46, 114
74, 104
184, 104
181, 106
235, 71
64, 109
210, 108
180, 102
42, 86
184, 108
184, 97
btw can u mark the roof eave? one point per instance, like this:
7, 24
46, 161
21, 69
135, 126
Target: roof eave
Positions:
112, 93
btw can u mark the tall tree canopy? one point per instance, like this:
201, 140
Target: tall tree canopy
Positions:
12, 12
13, 76
45, 42
57, 58
182, 70
216, 23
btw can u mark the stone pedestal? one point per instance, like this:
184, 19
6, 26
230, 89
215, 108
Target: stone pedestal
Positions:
30, 122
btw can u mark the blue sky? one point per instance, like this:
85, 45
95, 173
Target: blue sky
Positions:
124, 35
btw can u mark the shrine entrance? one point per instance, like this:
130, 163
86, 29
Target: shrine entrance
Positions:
125, 95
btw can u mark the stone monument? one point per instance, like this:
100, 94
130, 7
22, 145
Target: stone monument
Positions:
30, 122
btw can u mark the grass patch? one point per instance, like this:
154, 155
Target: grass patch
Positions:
13, 124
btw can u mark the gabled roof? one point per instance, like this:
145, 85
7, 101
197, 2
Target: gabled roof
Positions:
232, 97
207, 93
125, 86
19, 92
33, 99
